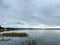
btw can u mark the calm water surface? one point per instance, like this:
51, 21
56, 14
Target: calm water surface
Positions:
36, 37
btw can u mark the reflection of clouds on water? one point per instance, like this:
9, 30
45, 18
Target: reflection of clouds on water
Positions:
43, 37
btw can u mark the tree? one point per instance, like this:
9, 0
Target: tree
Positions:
1, 29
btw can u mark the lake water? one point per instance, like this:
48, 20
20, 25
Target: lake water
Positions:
36, 37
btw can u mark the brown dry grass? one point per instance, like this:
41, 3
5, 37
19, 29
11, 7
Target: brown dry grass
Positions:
1, 30
15, 34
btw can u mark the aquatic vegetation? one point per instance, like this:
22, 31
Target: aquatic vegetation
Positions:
22, 34
32, 42
5, 39
1, 30
29, 42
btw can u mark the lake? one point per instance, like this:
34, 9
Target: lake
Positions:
36, 37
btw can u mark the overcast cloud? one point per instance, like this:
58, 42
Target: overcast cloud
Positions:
26, 13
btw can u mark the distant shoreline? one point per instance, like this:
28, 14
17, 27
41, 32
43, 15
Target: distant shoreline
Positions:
32, 28
8, 28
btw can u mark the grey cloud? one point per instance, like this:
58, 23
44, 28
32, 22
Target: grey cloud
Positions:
30, 12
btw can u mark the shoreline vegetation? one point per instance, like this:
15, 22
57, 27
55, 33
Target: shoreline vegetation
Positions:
1, 29
32, 29
22, 34
9, 29
31, 41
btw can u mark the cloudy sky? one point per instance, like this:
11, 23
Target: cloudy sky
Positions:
29, 13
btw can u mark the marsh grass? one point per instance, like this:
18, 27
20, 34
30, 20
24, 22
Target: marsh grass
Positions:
29, 42
5, 39
32, 42
1, 30
23, 34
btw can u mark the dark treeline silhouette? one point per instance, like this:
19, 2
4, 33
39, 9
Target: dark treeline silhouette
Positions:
8, 28
1, 29
33, 29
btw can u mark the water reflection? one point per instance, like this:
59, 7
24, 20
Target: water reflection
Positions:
36, 37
